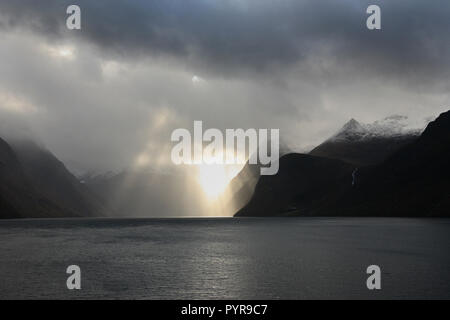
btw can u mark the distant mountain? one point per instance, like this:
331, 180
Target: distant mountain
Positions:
150, 193
412, 181
145, 193
363, 144
34, 183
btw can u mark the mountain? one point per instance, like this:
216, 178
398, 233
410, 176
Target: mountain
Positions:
35, 184
413, 181
9, 168
241, 188
54, 181
18, 197
303, 185
364, 144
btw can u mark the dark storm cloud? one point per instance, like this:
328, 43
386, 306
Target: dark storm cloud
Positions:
255, 34
103, 96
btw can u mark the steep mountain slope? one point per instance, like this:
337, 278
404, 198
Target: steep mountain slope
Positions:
18, 197
9, 167
303, 185
364, 144
241, 188
49, 175
35, 184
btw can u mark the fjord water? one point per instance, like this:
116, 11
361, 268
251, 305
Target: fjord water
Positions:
221, 258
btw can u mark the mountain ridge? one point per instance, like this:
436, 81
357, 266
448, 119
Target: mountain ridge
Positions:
413, 181
35, 184
364, 144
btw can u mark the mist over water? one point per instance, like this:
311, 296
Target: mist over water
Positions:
249, 258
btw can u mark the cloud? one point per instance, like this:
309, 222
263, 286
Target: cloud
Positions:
302, 66
252, 34
15, 104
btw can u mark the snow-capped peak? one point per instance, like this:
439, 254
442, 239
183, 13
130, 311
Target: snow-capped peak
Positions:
392, 126
351, 130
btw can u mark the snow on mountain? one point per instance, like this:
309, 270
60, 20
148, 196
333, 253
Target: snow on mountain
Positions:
392, 126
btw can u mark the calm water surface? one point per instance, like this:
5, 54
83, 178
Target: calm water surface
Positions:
292, 258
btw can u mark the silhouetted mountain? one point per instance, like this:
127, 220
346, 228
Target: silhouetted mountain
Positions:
413, 181
18, 197
303, 185
364, 144
53, 180
241, 188
34, 183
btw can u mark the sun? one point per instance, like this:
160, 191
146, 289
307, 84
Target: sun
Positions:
214, 178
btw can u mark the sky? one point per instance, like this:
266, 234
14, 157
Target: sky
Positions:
108, 96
